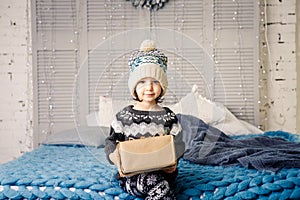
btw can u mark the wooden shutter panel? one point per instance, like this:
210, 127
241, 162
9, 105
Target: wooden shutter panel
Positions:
56, 60
209, 43
235, 86
235, 25
55, 86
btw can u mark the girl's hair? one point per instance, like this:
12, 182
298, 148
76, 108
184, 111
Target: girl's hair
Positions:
159, 99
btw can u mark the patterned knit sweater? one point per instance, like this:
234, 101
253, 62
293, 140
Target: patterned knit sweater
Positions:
130, 123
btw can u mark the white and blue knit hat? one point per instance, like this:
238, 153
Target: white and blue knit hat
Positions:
148, 62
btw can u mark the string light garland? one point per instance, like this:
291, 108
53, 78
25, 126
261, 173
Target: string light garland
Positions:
150, 4
49, 68
266, 66
26, 142
241, 53
236, 50
264, 51
179, 25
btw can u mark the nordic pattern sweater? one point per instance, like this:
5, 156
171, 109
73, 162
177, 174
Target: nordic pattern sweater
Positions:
133, 124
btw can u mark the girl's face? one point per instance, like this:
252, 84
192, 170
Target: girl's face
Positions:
148, 90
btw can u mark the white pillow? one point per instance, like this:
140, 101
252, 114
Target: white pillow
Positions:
91, 119
196, 105
212, 113
250, 127
231, 125
108, 108
87, 136
191, 104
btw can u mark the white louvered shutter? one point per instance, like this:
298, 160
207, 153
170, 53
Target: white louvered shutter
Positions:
55, 61
236, 56
82, 48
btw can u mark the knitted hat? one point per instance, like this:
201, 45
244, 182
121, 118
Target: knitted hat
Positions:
148, 62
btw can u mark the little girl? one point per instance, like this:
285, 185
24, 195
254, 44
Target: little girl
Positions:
148, 84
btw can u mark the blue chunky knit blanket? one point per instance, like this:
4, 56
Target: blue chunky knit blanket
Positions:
76, 172
208, 145
82, 172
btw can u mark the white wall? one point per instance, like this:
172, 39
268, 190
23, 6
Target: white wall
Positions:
15, 79
278, 65
277, 73
298, 62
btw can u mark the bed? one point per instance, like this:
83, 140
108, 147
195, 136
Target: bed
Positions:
72, 164
80, 171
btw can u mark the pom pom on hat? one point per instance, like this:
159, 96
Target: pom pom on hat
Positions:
148, 61
148, 45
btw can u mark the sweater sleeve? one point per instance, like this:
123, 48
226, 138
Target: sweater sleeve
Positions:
179, 144
111, 141
176, 130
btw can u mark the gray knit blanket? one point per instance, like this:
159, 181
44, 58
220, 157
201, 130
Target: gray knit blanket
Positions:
209, 146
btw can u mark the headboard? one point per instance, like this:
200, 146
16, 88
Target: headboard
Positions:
106, 66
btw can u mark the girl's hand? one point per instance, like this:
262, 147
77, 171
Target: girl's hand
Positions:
114, 157
170, 169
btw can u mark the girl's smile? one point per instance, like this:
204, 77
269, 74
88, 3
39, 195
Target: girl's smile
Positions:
147, 90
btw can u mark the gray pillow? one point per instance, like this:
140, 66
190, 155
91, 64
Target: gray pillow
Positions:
86, 136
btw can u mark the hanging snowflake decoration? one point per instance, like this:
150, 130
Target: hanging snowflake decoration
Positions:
150, 4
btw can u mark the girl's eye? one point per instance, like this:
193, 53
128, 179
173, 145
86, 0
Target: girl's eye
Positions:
141, 82
144, 82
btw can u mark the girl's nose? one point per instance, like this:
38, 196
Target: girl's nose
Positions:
149, 85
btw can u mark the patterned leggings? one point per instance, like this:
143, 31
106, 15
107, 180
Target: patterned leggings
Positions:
150, 186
